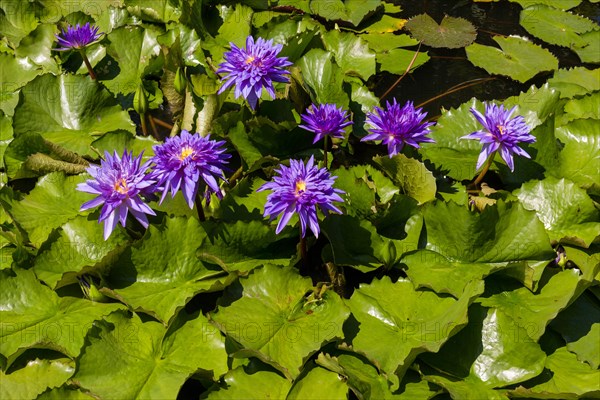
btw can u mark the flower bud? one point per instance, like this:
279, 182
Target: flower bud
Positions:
180, 82
140, 100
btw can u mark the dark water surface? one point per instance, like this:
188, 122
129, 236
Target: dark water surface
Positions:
448, 68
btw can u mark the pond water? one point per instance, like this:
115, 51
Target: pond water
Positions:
449, 68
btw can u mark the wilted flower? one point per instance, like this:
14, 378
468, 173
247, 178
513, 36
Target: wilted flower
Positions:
254, 68
77, 37
325, 119
299, 188
502, 134
119, 182
182, 160
396, 126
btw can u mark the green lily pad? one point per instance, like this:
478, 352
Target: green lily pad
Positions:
34, 378
41, 319
410, 175
395, 315
79, 244
428, 269
134, 49
37, 47
555, 26
452, 32
329, 385
162, 272
382, 42
275, 321
53, 202
559, 4
575, 81
64, 393
70, 110
565, 377
566, 210
518, 58
243, 384
351, 53
323, 77
353, 11
590, 48
534, 311
397, 61
486, 237
464, 389
582, 108
128, 358
361, 377
17, 20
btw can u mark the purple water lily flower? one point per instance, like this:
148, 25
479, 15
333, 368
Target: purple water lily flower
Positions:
325, 119
77, 37
254, 68
501, 134
185, 161
119, 182
397, 126
300, 188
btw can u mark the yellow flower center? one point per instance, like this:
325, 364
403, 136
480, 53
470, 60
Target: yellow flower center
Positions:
185, 153
300, 187
501, 129
249, 59
121, 186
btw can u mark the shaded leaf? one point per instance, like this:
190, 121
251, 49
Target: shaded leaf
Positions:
451, 33
555, 26
34, 378
518, 58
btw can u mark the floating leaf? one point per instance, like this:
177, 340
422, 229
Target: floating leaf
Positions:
351, 53
53, 202
395, 315
567, 212
79, 244
555, 26
162, 272
34, 378
128, 358
590, 49
533, 311
575, 81
133, 48
410, 175
452, 32
518, 58
275, 321
559, 4
69, 111
41, 319
318, 383
488, 237
323, 77
397, 61
263, 384
565, 377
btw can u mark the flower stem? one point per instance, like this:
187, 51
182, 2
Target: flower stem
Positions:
199, 208
485, 169
144, 127
325, 151
162, 123
87, 64
303, 251
153, 126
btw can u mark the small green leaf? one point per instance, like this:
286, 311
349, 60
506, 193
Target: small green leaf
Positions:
518, 58
452, 32
397, 61
559, 4
590, 48
261, 384
318, 383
